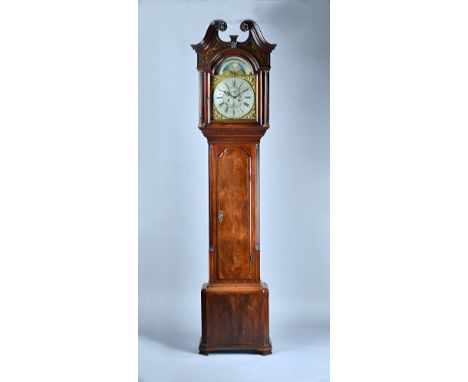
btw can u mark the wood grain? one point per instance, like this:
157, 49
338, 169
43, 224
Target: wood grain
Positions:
235, 318
234, 231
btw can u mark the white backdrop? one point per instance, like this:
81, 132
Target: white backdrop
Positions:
173, 190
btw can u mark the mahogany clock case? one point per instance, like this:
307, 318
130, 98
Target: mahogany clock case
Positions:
174, 185
234, 302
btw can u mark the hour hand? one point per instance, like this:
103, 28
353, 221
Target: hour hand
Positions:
226, 92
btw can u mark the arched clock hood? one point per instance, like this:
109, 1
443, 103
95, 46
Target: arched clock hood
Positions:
211, 51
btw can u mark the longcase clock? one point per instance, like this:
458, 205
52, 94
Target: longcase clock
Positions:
233, 117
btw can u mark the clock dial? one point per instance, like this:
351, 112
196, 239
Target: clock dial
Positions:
233, 97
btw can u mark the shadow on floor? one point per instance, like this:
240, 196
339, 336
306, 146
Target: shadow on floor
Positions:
284, 337
175, 338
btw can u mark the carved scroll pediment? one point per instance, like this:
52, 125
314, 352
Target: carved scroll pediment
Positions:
255, 43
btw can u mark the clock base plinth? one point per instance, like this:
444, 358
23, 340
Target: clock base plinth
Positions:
235, 318
265, 349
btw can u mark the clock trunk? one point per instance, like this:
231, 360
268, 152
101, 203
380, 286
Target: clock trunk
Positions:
234, 207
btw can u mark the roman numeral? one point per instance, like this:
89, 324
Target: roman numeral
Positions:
246, 104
